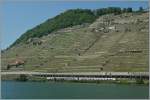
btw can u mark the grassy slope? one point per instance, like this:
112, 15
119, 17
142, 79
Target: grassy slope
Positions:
59, 52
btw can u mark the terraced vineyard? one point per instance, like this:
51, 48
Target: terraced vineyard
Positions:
111, 43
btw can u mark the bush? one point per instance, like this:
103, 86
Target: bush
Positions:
22, 77
141, 9
139, 81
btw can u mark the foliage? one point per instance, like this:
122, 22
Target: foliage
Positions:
22, 77
139, 81
141, 9
127, 10
102, 11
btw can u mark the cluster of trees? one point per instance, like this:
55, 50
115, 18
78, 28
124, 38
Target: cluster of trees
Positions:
127, 10
115, 10
102, 11
70, 18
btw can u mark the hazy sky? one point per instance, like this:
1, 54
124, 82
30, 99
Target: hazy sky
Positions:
17, 17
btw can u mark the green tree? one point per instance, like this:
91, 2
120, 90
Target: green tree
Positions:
141, 9
22, 77
129, 9
124, 10
139, 81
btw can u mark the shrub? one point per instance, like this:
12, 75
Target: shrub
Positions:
139, 81
22, 77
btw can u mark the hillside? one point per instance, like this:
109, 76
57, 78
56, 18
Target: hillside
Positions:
110, 42
68, 18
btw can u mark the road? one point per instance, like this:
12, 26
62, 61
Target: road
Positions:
76, 73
